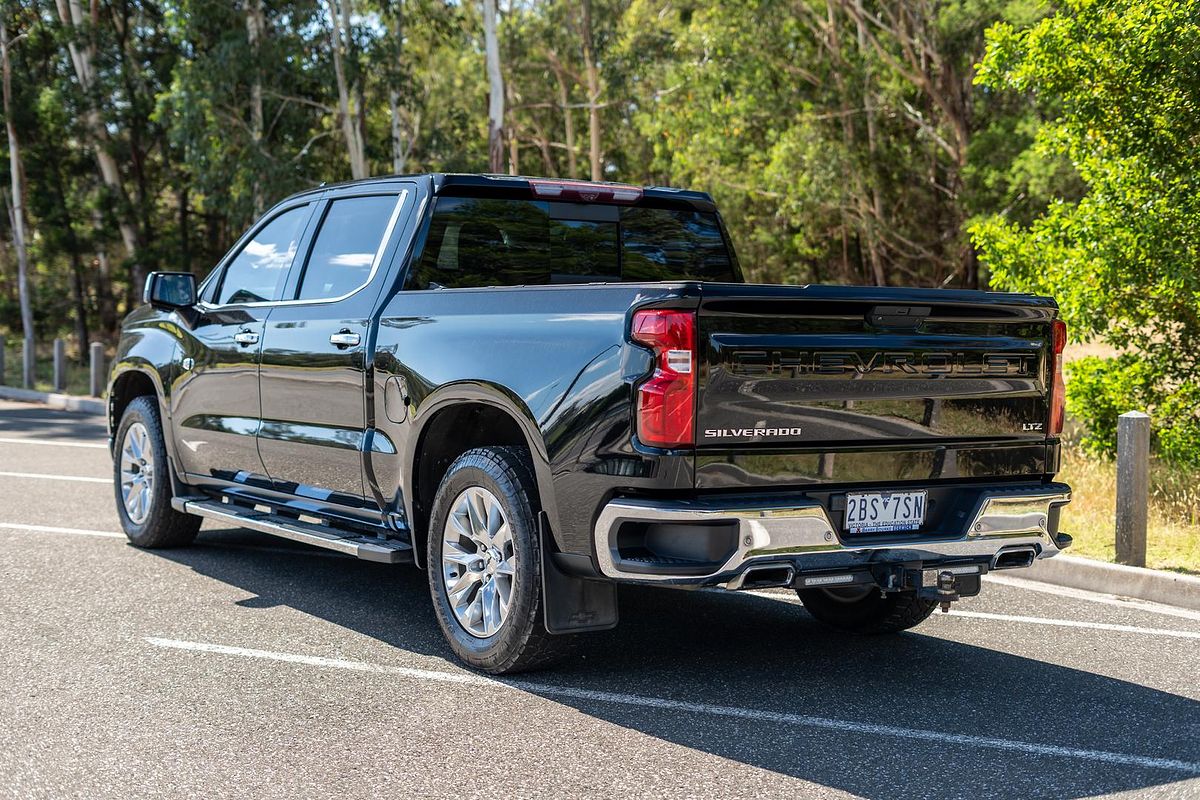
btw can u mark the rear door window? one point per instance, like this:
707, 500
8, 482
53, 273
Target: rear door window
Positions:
257, 273
348, 246
499, 242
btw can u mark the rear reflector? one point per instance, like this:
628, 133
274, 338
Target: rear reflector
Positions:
666, 401
586, 192
1058, 392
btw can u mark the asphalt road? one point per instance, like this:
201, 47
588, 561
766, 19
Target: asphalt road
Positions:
247, 666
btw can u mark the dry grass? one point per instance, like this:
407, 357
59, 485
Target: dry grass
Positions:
78, 375
1078, 350
1173, 538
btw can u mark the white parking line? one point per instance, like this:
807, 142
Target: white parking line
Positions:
46, 477
53, 443
1063, 623
1070, 623
1092, 597
661, 703
54, 529
299, 550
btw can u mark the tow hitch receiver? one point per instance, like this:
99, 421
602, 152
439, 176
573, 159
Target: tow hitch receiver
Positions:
945, 589
946, 584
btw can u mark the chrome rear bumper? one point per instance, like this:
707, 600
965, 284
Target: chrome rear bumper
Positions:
800, 534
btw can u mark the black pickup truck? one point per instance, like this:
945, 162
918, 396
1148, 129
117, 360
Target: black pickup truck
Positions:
538, 389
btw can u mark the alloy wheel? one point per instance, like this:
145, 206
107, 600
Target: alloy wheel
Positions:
479, 565
137, 473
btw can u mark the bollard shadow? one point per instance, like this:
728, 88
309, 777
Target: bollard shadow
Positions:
751, 652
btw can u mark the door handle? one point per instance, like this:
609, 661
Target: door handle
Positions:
246, 338
344, 338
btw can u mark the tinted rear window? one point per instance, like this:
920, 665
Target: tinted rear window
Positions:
347, 245
492, 242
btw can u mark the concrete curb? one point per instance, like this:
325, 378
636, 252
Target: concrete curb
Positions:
64, 402
1169, 588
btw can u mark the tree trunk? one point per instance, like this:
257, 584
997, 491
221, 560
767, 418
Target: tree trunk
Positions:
17, 209
70, 12
78, 284
106, 301
876, 201
564, 104
399, 148
833, 42
185, 227
592, 72
495, 89
255, 29
79, 299
349, 98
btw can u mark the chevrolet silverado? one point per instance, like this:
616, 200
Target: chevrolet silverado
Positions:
535, 390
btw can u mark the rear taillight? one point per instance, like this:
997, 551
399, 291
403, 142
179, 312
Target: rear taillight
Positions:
1058, 392
666, 401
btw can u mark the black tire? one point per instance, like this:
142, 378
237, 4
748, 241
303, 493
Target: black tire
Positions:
162, 526
866, 612
521, 642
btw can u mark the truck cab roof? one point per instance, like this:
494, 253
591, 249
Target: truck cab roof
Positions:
459, 184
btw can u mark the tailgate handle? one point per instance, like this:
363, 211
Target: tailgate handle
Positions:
907, 317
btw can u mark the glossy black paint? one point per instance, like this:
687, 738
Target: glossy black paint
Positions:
215, 403
555, 359
314, 422
885, 465
342, 430
837, 367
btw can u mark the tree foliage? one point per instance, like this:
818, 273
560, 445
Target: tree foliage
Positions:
1123, 258
846, 140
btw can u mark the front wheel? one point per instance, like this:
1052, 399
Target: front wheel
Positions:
865, 609
485, 563
142, 480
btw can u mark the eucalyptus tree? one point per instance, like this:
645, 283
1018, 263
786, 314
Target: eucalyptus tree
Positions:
16, 206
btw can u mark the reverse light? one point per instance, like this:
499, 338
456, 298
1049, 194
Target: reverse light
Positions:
666, 401
1058, 392
587, 192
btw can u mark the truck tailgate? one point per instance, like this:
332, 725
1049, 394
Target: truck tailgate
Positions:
819, 370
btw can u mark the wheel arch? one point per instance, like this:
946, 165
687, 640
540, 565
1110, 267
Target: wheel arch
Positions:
459, 418
130, 381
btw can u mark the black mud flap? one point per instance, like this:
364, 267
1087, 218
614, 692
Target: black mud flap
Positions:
572, 604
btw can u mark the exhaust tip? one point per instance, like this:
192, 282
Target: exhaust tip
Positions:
1014, 558
767, 576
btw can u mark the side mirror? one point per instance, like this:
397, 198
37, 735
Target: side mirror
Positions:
170, 290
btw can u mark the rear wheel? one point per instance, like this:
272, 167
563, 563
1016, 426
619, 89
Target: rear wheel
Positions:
485, 563
865, 609
142, 480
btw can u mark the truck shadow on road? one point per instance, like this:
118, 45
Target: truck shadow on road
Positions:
758, 653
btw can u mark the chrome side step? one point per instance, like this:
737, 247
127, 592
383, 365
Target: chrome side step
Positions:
385, 551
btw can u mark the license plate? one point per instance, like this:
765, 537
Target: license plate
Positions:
883, 512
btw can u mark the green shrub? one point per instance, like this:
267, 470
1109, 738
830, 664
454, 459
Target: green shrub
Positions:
1099, 390
1179, 428
1121, 260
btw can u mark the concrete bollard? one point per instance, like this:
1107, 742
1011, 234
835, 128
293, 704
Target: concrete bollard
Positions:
1133, 487
27, 372
60, 365
96, 351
